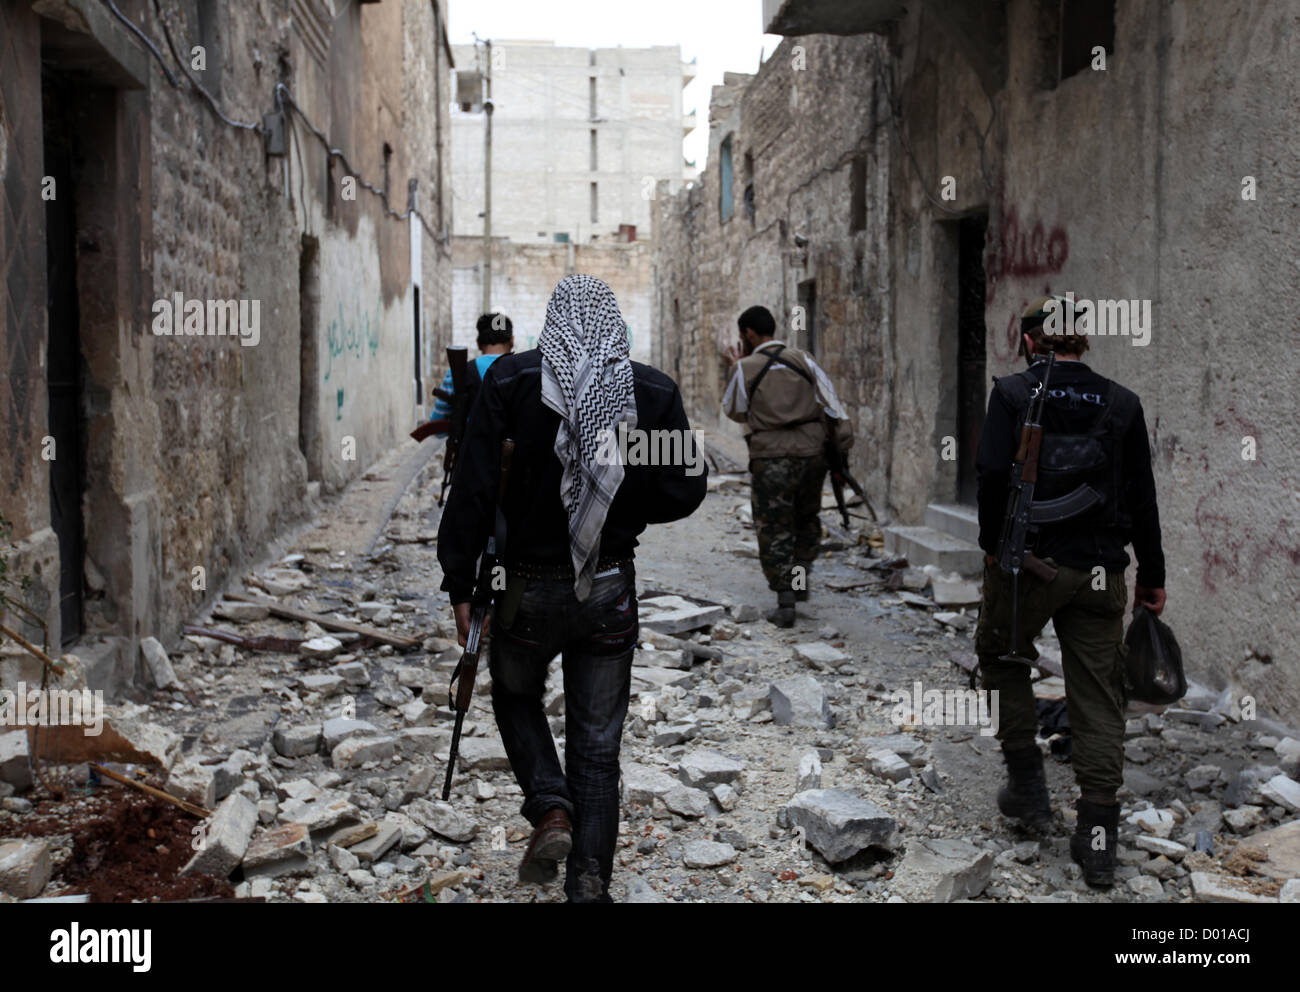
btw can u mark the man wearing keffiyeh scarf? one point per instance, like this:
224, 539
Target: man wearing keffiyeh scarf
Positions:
587, 380
572, 517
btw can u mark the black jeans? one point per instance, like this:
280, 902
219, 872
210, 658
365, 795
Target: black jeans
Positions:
596, 639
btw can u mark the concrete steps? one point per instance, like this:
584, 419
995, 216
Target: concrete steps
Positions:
947, 540
955, 519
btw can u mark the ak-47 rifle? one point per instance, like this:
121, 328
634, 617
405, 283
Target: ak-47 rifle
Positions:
839, 472
1018, 524
461, 690
453, 426
457, 361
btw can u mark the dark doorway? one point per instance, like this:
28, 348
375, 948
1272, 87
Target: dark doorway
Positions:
808, 301
419, 365
309, 360
64, 376
970, 350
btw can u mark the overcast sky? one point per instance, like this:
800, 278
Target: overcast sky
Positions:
722, 35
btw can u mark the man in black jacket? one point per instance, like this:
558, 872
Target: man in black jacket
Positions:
1094, 433
573, 515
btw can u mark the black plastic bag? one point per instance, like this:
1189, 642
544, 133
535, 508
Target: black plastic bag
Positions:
1153, 669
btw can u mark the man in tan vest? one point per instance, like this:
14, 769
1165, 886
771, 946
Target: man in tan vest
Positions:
784, 399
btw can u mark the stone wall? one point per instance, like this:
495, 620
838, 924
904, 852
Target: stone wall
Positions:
524, 275
199, 449
1122, 184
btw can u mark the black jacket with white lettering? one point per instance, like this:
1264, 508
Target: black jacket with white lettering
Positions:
509, 405
1076, 401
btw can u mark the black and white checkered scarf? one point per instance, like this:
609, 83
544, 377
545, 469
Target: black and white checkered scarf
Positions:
587, 380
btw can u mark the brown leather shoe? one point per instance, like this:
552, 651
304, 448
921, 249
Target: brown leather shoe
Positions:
551, 841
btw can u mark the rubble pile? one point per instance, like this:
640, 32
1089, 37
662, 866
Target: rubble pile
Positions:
310, 718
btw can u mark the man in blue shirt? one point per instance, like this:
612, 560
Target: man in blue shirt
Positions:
496, 337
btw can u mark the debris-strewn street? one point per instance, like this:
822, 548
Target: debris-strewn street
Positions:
757, 765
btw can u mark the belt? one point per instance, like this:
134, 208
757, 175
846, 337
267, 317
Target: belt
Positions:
550, 570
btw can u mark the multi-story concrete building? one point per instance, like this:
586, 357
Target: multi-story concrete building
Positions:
580, 137
899, 180
166, 167
582, 140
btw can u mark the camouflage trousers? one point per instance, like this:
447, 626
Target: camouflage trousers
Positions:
787, 501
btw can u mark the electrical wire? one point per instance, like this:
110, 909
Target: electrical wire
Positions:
211, 101
282, 95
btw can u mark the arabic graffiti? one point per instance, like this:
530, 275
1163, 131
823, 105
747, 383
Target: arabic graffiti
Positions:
351, 339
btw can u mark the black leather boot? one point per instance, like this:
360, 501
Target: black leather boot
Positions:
1094, 845
1025, 796
783, 615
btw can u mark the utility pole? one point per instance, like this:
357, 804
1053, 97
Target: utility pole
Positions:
487, 188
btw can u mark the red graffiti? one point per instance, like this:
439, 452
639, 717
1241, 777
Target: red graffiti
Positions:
1017, 253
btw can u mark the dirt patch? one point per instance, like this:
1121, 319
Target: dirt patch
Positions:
117, 846
136, 852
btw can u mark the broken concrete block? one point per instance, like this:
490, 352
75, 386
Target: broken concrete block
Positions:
820, 655
1153, 821
278, 851
888, 765
15, 764
675, 615
707, 854
425, 740
297, 742
800, 702
751, 701
229, 609
25, 867
1243, 820
339, 729
229, 775
1170, 849
643, 784
283, 581
687, 802
675, 733
940, 869
326, 685
1224, 888
905, 746
317, 814
483, 754
443, 819
725, 796
354, 673
704, 768
388, 836
810, 772
839, 824
158, 665
224, 842
126, 736
1282, 791
192, 782
356, 751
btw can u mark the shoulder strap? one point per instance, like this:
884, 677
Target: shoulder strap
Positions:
771, 360
1016, 387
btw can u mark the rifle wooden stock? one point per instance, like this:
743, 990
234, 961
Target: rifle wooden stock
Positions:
431, 427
